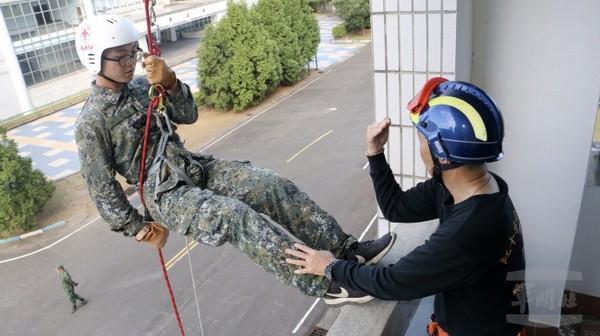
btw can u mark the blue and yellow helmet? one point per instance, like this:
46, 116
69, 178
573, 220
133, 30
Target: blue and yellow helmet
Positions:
460, 121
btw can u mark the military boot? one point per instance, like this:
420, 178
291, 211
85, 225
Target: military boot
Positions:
74, 308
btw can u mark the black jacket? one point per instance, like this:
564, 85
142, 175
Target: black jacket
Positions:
465, 262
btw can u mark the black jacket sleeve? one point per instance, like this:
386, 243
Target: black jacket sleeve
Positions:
436, 266
414, 205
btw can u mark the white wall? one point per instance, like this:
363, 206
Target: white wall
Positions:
411, 43
540, 60
12, 85
586, 257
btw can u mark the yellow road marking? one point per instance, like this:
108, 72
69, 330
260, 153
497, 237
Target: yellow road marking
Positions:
181, 254
310, 144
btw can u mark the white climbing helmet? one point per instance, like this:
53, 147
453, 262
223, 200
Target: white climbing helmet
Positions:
98, 33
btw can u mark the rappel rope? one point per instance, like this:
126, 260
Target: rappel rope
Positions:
187, 246
157, 101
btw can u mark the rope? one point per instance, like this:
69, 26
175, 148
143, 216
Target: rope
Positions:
164, 270
156, 102
187, 245
153, 46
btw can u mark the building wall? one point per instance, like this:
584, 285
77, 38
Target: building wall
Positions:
412, 42
74, 82
12, 84
539, 60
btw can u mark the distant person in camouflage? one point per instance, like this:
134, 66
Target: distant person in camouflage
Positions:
210, 200
69, 286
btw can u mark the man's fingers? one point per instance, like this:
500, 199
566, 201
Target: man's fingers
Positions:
298, 262
302, 248
293, 252
301, 271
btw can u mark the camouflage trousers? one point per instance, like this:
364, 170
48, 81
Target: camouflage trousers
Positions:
73, 297
228, 204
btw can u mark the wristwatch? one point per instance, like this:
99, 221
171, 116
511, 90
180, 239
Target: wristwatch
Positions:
329, 268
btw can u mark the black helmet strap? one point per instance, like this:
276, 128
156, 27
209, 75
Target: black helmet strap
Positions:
110, 79
439, 167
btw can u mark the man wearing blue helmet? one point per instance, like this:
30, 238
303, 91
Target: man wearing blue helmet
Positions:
470, 262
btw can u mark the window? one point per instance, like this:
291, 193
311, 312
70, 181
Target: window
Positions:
43, 36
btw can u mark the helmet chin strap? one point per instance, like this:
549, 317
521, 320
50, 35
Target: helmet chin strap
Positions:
439, 167
110, 79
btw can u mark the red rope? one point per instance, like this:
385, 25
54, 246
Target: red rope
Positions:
153, 47
153, 104
164, 269
155, 50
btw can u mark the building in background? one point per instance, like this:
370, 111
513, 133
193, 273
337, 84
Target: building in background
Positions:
38, 61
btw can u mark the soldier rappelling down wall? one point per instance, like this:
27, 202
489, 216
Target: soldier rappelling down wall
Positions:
210, 200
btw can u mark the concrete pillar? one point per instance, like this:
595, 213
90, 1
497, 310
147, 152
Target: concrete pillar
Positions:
89, 8
173, 33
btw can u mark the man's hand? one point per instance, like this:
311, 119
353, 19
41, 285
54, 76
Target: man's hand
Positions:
157, 72
310, 260
377, 136
153, 234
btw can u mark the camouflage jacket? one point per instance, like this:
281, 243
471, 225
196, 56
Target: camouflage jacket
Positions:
66, 281
109, 135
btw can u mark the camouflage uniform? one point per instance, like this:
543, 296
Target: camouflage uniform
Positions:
69, 286
210, 200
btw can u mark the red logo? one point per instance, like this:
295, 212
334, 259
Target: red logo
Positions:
85, 33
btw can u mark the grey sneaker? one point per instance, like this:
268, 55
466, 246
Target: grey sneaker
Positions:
337, 295
370, 252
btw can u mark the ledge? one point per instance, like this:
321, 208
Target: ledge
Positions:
380, 317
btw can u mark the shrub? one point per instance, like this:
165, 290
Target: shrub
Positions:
23, 190
339, 31
356, 13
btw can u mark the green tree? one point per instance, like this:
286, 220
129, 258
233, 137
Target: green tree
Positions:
356, 13
238, 62
23, 190
317, 5
214, 68
305, 24
272, 16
